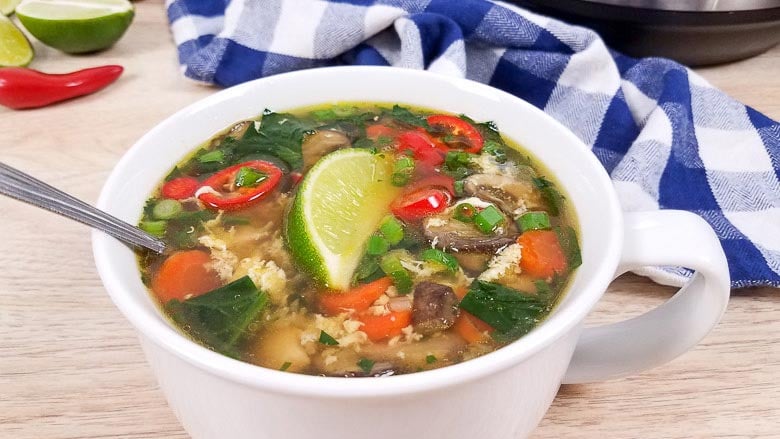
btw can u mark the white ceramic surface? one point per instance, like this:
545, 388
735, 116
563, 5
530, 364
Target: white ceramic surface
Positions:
500, 395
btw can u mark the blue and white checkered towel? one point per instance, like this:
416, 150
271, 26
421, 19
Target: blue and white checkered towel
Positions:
667, 137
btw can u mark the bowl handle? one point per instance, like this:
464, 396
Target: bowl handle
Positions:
671, 238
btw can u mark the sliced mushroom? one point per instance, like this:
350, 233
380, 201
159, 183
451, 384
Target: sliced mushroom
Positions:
511, 195
237, 131
472, 263
435, 307
448, 233
321, 143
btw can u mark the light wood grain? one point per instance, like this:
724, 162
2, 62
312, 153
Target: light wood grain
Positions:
70, 365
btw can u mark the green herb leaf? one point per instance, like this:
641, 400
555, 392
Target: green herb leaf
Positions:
567, 237
366, 365
496, 149
326, 339
249, 177
440, 257
286, 365
430, 359
220, 317
279, 134
509, 311
406, 116
550, 194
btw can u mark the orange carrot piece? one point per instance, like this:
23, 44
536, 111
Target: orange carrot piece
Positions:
471, 328
381, 327
542, 256
356, 299
184, 274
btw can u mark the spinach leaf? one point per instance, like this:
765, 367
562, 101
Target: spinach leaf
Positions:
509, 311
567, 237
405, 116
550, 194
220, 317
279, 134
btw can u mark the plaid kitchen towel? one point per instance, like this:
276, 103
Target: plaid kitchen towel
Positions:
668, 139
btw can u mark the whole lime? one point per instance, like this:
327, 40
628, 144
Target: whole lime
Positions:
76, 26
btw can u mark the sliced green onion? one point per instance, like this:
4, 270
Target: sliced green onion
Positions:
392, 230
212, 156
233, 220
249, 177
376, 245
326, 339
391, 265
366, 365
402, 170
533, 221
439, 257
154, 228
465, 212
286, 365
430, 359
166, 209
488, 219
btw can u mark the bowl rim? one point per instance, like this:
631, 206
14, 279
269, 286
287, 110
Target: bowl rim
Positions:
153, 327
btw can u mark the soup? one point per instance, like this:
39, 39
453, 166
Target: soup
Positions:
358, 240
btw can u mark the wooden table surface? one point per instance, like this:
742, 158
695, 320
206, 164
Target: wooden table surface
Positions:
70, 364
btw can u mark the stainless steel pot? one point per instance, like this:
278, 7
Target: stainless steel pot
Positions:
694, 32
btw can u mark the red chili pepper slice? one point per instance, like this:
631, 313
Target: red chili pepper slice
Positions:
412, 206
433, 181
456, 126
228, 197
26, 88
180, 188
422, 147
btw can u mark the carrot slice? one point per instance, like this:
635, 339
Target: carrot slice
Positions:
356, 299
542, 253
386, 326
184, 274
471, 328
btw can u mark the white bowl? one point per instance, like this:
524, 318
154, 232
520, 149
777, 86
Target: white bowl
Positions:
500, 395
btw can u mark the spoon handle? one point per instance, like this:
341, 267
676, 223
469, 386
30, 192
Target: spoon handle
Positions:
20, 186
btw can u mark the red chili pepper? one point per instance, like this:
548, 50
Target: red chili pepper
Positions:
433, 181
180, 188
412, 206
27, 88
422, 147
456, 126
227, 196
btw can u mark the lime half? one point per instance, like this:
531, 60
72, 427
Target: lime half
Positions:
340, 203
15, 50
7, 6
76, 26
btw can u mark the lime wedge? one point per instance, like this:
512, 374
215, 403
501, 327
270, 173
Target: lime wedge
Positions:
15, 50
7, 6
76, 26
340, 203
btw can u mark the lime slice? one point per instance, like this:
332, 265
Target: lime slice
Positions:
76, 26
15, 50
340, 203
7, 6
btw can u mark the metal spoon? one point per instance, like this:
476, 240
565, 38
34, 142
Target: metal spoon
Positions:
20, 186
